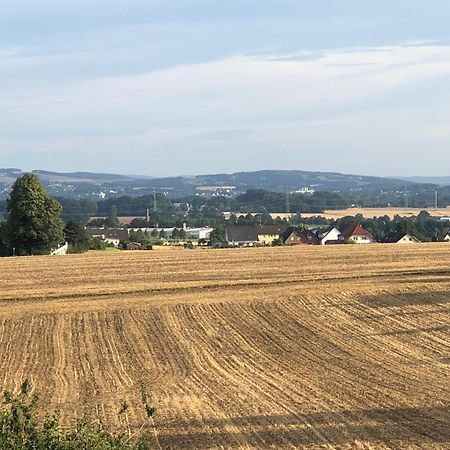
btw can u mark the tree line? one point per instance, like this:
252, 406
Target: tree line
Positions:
37, 223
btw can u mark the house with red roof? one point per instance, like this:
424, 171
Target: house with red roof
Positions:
357, 234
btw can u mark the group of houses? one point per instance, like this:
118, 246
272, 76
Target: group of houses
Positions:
250, 235
114, 236
262, 235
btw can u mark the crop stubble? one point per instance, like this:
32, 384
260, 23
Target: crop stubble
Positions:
306, 347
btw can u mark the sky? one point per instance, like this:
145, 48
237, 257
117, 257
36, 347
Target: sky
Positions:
171, 87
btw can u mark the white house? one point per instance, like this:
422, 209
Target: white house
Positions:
328, 234
357, 234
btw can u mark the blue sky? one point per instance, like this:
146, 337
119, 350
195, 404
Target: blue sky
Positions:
168, 87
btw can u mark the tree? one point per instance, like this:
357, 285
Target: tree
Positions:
77, 237
112, 222
34, 225
4, 248
217, 235
138, 222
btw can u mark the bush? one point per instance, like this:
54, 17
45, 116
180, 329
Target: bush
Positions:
21, 429
97, 243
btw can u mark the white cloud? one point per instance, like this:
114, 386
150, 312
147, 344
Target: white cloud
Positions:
328, 100
239, 88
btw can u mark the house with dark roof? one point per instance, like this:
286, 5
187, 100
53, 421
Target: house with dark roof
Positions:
268, 233
242, 235
294, 236
291, 236
253, 235
357, 234
399, 237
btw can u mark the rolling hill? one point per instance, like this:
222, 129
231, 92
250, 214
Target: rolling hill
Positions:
93, 184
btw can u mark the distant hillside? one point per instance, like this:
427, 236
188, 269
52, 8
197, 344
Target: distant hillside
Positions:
272, 180
87, 177
441, 181
282, 180
102, 185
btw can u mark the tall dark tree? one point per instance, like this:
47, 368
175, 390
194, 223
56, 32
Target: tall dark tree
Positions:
217, 235
4, 247
34, 225
77, 237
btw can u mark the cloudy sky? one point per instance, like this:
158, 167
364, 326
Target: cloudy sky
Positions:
169, 87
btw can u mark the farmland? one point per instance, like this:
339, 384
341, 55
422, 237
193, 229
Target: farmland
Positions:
309, 347
370, 213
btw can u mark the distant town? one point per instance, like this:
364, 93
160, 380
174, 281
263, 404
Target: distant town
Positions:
363, 210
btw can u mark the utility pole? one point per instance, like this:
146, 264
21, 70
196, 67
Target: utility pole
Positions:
406, 195
155, 215
435, 199
288, 208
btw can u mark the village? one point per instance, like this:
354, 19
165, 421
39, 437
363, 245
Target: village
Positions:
247, 236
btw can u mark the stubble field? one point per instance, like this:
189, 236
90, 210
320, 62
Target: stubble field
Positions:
310, 347
370, 213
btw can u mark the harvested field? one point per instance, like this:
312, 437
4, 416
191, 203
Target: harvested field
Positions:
307, 347
370, 213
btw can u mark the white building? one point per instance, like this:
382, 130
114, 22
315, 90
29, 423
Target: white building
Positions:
191, 233
328, 234
304, 190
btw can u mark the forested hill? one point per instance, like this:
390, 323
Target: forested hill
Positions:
99, 185
281, 180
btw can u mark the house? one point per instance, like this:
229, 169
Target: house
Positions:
293, 236
242, 235
310, 237
268, 233
357, 234
111, 236
399, 237
447, 237
253, 235
328, 234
